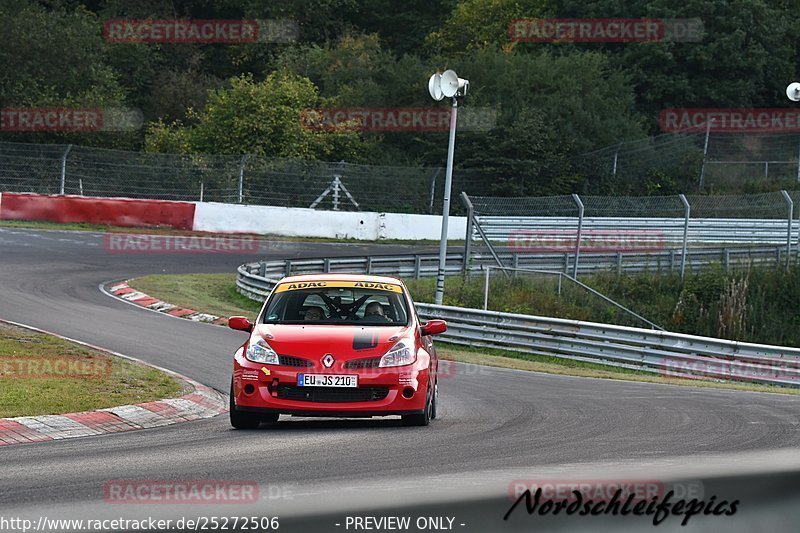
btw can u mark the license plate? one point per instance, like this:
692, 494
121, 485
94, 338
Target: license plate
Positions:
327, 380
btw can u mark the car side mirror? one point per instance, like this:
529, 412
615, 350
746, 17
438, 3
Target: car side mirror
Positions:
240, 323
433, 327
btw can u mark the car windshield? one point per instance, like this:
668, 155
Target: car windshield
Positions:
327, 302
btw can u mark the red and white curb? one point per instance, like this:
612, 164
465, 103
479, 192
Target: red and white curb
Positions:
130, 295
202, 402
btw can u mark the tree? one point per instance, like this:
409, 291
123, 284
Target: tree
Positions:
260, 118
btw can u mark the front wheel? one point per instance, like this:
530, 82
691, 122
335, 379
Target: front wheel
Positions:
241, 419
424, 418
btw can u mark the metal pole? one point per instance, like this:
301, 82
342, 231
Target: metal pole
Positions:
201, 191
687, 213
64, 168
578, 237
468, 237
705, 153
80, 186
241, 177
448, 183
616, 155
486, 288
790, 218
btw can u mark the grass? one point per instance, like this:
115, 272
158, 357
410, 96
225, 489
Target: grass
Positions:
216, 294
32, 382
101, 228
209, 293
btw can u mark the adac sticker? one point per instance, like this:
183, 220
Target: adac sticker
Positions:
298, 285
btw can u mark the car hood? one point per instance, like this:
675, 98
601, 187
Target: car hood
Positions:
341, 341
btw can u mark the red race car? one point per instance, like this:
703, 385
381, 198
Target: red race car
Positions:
341, 345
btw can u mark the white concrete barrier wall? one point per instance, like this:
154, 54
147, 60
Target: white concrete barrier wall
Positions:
304, 222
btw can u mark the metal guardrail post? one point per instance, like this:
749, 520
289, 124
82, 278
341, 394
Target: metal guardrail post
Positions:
262, 269
468, 235
64, 168
578, 202
369, 264
789, 220
486, 269
687, 214
326, 265
287, 269
417, 265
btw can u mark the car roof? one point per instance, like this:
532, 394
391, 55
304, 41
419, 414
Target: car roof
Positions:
343, 277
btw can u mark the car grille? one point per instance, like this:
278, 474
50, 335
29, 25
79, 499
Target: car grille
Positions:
288, 360
332, 395
370, 362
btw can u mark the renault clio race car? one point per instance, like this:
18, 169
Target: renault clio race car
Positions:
339, 345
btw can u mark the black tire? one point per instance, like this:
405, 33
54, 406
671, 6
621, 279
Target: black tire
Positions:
421, 419
270, 418
241, 419
435, 406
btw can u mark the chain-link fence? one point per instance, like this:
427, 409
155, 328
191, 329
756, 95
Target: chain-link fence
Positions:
81, 170
708, 162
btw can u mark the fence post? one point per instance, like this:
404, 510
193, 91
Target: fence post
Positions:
201, 191
241, 177
687, 213
798, 162
705, 154
578, 202
468, 236
433, 189
789, 220
616, 156
64, 168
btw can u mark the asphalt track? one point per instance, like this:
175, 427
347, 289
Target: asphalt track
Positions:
496, 425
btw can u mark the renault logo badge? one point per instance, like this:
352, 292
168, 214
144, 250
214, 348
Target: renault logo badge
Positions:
328, 360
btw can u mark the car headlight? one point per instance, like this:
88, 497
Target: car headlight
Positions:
400, 354
261, 352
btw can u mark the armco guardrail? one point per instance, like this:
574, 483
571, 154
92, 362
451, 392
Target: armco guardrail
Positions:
423, 265
674, 354
670, 230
